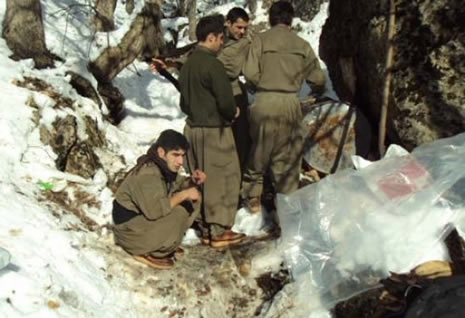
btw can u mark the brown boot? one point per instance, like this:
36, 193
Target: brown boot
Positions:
228, 238
254, 204
158, 263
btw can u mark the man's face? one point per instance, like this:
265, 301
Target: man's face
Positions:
237, 29
216, 42
174, 158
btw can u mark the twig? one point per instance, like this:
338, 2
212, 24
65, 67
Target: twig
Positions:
387, 80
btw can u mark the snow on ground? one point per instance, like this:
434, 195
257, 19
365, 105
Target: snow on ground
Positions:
58, 268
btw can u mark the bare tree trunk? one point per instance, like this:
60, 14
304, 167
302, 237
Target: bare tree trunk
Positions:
145, 32
153, 32
23, 31
103, 19
252, 4
143, 38
192, 16
129, 6
181, 7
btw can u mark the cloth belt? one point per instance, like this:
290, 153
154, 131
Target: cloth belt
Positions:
262, 90
121, 214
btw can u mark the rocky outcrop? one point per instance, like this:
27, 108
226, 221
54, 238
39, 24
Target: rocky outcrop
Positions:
75, 151
427, 96
74, 155
304, 9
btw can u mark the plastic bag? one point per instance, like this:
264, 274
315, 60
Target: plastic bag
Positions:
344, 233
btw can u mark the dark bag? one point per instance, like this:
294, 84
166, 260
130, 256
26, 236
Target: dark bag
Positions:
440, 298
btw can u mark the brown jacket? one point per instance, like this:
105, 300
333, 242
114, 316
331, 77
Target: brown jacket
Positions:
146, 192
279, 61
233, 57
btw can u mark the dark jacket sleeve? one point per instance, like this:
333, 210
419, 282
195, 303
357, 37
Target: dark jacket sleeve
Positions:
222, 90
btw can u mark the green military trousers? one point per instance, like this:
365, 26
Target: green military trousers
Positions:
213, 151
158, 238
276, 130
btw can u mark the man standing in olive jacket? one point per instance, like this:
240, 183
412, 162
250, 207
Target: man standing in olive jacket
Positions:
154, 207
277, 64
233, 56
207, 100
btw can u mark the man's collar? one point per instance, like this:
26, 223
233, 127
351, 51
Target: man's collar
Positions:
282, 25
205, 49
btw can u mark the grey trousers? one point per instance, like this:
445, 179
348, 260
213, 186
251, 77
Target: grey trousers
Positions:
213, 151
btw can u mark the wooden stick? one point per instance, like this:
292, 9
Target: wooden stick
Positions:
387, 79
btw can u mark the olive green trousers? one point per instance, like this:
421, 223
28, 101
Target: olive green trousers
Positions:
213, 151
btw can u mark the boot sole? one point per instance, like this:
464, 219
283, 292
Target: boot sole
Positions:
151, 264
220, 244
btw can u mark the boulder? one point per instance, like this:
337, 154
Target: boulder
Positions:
427, 95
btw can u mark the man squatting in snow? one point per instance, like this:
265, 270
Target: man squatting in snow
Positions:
153, 206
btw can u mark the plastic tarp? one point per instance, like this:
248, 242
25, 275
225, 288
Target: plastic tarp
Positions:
340, 236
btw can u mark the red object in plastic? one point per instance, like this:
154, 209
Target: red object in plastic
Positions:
407, 180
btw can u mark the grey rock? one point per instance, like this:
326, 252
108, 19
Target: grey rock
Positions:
82, 160
427, 96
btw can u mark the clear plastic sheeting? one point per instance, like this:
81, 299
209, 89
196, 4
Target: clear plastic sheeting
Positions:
4, 258
340, 236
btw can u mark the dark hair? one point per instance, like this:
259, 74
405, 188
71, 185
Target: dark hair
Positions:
168, 140
237, 13
172, 140
209, 24
281, 12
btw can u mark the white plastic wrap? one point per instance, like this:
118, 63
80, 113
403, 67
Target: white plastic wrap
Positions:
344, 233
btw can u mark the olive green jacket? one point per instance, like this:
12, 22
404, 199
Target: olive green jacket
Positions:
233, 57
279, 61
206, 94
146, 192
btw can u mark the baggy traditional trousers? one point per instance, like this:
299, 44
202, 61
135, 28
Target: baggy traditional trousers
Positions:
213, 151
277, 139
159, 238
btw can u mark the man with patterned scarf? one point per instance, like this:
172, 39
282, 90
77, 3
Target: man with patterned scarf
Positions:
153, 206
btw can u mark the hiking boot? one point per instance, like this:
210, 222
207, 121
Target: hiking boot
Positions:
254, 204
158, 263
228, 238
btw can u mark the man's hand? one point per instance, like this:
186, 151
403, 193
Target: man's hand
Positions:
238, 112
199, 177
192, 194
157, 64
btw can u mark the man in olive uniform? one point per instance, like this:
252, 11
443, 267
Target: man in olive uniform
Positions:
233, 56
207, 100
277, 64
153, 206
